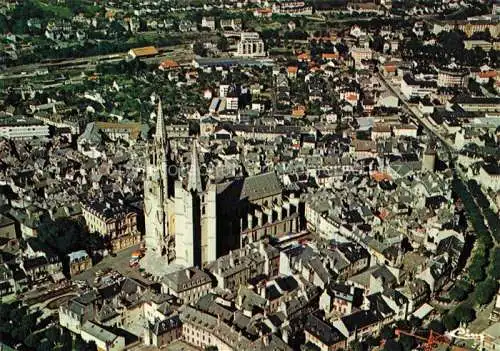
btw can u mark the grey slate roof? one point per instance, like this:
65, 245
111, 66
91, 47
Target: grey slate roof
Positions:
185, 279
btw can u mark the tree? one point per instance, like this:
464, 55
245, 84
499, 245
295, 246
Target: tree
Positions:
415, 322
377, 44
79, 343
53, 334
476, 270
222, 44
66, 339
457, 293
485, 291
464, 313
91, 346
387, 332
116, 30
392, 345
4, 25
63, 235
32, 340
356, 345
494, 269
199, 49
437, 326
460, 290
407, 342
450, 321
44, 346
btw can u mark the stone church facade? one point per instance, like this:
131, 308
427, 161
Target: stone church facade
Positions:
191, 221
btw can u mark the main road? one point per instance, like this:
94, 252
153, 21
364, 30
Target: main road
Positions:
419, 117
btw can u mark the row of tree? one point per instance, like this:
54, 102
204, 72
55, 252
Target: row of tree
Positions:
484, 264
449, 45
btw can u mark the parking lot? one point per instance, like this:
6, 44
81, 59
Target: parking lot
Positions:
119, 263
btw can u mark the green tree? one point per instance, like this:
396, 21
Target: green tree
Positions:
222, 44
485, 291
199, 49
44, 345
66, 339
91, 346
4, 25
32, 340
64, 234
460, 290
458, 294
356, 345
494, 269
53, 334
415, 322
392, 345
450, 321
387, 332
79, 343
464, 313
476, 270
407, 342
437, 326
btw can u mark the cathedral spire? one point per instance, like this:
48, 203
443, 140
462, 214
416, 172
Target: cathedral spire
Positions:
194, 176
161, 134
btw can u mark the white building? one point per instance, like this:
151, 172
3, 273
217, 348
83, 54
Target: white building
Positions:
208, 22
23, 128
232, 103
405, 130
251, 45
411, 87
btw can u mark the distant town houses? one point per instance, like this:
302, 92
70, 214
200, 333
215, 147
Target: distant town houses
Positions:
233, 177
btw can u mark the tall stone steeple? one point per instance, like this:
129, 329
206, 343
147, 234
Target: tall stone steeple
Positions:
161, 134
158, 195
194, 176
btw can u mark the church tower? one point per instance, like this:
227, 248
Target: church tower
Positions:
195, 213
158, 196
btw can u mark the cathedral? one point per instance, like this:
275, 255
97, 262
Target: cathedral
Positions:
190, 220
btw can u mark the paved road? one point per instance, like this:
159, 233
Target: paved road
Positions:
417, 115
